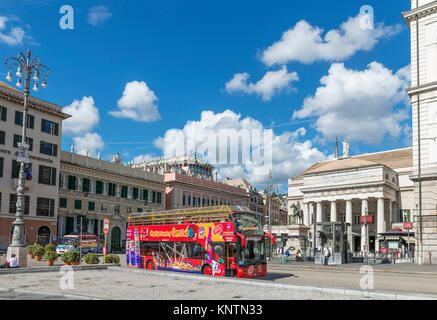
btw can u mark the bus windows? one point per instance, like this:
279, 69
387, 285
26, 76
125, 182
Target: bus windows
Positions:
181, 250
196, 251
149, 248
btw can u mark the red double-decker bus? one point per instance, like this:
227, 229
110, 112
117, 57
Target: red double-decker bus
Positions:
220, 241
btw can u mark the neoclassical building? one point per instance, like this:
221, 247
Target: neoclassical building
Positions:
345, 188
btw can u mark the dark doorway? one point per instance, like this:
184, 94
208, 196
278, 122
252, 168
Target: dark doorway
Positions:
357, 243
43, 236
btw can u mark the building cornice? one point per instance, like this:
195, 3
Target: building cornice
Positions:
428, 176
350, 186
17, 97
420, 12
432, 86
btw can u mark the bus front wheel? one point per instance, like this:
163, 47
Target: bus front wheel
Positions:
150, 265
207, 270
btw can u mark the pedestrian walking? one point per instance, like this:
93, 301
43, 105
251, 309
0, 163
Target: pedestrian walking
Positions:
326, 254
281, 254
298, 255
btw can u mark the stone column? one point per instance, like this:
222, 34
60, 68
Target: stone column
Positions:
319, 215
364, 210
380, 219
333, 211
349, 220
306, 214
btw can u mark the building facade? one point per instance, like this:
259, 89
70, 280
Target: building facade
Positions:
422, 21
346, 188
190, 183
44, 127
256, 201
91, 190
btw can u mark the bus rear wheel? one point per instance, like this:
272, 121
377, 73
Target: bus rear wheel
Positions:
207, 270
150, 265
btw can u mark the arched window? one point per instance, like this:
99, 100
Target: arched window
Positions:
43, 235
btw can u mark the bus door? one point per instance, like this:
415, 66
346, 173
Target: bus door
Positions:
219, 258
231, 259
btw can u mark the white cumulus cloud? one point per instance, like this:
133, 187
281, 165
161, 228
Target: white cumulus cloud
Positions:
91, 142
291, 152
84, 116
137, 103
98, 15
359, 105
271, 83
15, 35
306, 43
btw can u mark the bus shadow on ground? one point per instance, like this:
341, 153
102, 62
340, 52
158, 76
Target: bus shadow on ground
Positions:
276, 276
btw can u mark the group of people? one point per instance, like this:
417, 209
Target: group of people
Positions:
12, 262
284, 255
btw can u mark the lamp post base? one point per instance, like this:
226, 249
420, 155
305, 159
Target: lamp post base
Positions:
20, 254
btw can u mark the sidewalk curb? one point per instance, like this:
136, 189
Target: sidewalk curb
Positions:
288, 267
54, 268
265, 283
51, 293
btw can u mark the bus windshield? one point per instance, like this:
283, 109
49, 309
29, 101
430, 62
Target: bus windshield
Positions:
254, 251
247, 223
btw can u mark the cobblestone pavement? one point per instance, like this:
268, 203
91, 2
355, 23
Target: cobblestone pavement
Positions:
11, 295
115, 284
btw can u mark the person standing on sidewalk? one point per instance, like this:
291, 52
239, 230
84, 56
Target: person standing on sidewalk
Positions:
281, 254
326, 254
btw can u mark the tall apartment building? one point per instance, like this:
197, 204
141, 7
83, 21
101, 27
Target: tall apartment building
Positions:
44, 127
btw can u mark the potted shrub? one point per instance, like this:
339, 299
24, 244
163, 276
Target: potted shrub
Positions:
71, 258
30, 251
112, 258
50, 257
50, 247
91, 258
38, 251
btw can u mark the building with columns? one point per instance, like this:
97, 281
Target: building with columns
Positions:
346, 188
422, 22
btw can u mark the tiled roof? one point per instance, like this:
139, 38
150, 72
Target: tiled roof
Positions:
394, 159
4, 84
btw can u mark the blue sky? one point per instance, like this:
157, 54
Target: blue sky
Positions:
178, 57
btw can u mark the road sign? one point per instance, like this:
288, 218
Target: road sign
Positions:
106, 226
104, 250
408, 225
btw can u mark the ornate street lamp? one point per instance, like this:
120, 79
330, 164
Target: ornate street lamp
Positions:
28, 66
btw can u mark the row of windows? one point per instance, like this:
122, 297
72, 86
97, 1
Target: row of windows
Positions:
186, 201
44, 206
109, 189
63, 203
46, 148
46, 175
47, 126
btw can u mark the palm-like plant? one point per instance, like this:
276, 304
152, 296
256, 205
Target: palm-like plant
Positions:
297, 212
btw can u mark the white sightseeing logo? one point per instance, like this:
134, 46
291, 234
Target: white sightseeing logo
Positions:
367, 18
66, 282
367, 281
67, 20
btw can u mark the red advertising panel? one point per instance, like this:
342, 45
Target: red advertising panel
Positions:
106, 226
366, 219
408, 225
